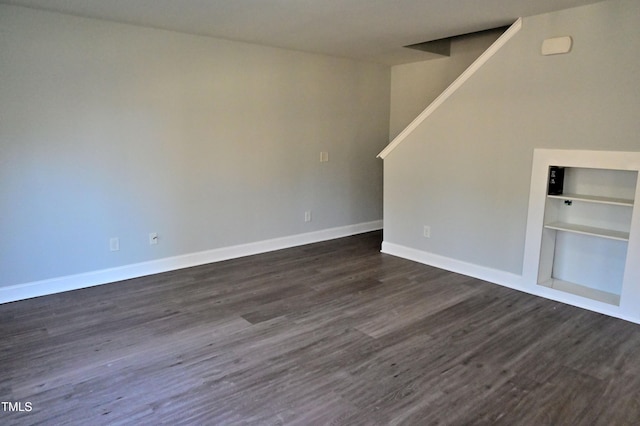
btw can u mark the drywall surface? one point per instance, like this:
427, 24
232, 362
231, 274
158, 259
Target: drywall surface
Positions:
414, 86
110, 130
465, 171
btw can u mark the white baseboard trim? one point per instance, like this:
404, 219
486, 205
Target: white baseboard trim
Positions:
505, 279
495, 276
105, 276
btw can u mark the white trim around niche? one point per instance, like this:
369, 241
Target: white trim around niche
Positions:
629, 307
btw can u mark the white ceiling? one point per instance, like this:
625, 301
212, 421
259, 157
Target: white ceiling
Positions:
373, 30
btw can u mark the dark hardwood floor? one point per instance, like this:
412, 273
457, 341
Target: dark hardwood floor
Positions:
329, 333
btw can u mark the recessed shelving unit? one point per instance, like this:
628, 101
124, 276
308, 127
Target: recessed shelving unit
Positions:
582, 240
586, 264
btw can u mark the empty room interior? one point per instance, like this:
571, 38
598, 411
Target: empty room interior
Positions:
306, 213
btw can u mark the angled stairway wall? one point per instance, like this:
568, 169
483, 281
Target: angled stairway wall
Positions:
453, 87
415, 85
464, 167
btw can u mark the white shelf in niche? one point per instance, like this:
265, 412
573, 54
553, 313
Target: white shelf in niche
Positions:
580, 290
594, 199
588, 230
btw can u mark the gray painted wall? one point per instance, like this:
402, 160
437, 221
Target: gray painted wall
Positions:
414, 86
112, 130
466, 169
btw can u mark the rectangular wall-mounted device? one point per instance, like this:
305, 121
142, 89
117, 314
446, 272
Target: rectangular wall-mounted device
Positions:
556, 45
556, 180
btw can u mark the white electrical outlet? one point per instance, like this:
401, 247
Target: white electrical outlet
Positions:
426, 232
114, 244
153, 238
307, 216
324, 157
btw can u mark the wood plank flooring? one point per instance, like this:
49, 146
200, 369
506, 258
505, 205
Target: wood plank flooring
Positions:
330, 333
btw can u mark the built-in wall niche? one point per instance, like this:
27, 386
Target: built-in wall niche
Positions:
586, 232
583, 232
